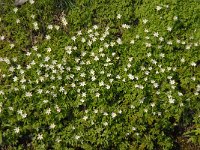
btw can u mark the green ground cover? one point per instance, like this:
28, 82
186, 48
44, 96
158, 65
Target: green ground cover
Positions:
103, 74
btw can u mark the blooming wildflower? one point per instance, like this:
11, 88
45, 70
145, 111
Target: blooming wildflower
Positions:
52, 126
40, 137
82, 83
85, 118
113, 115
125, 26
156, 34
64, 21
31, 2
97, 94
105, 123
32, 16
152, 104
144, 21
2, 38
24, 115
17, 130
15, 79
119, 16
158, 8
169, 29
95, 27
193, 64
28, 94
50, 27
131, 76
119, 41
48, 111
77, 137
175, 18
17, 21
132, 42
15, 9
48, 37
133, 128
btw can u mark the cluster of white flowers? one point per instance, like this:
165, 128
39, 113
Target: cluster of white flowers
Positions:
92, 73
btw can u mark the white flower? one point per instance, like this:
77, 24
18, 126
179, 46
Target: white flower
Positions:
131, 76
144, 21
119, 16
48, 111
125, 26
169, 29
156, 34
24, 115
132, 42
148, 44
133, 128
171, 100
77, 137
85, 118
97, 94
113, 115
48, 37
40, 137
158, 8
193, 64
95, 27
28, 94
50, 27
32, 16
105, 123
172, 82
17, 21
152, 104
64, 21
119, 41
31, 2
52, 126
16, 130
82, 83
15, 9
175, 18
57, 27
73, 38
2, 38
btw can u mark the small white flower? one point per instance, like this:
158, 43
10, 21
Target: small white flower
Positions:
48, 111
97, 94
77, 137
133, 128
158, 8
17, 21
40, 137
113, 115
52, 126
48, 37
57, 27
17, 130
31, 2
50, 27
119, 16
144, 21
175, 18
119, 41
105, 123
15, 9
169, 29
28, 94
156, 34
193, 64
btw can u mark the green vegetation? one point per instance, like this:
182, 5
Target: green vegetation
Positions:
103, 74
